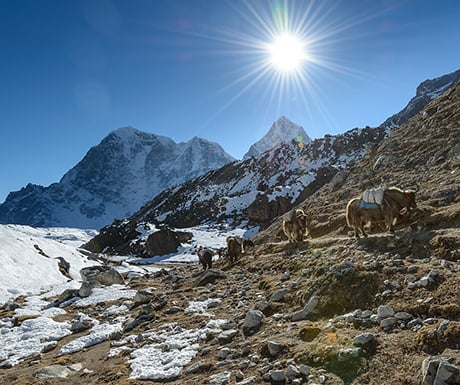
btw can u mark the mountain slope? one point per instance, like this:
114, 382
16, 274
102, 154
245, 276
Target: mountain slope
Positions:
113, 180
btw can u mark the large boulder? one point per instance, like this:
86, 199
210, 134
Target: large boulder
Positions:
165, 241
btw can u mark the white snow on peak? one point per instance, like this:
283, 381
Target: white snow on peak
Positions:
282, 131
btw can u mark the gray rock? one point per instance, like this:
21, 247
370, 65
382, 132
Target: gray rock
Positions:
384, 311
195, 368
279, 295
402, 315
348, 354
424, 281
338, 179
252, 320
227, 336
66, 295
80, 325
49, 346
274, 348
173, 310
142, 297
413, 323
304, 370
223, 353
439, 370
308, 308
292, 372
383, 161
363, 339
388, 322
210, 276
86, 289
277, 376
105, 275
220, 378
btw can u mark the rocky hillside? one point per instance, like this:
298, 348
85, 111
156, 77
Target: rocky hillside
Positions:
113, 180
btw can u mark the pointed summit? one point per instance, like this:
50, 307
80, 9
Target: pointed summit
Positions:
282, 131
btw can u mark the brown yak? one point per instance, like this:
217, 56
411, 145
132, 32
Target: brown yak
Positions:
236, 246
296, 226
396, 202
205, 257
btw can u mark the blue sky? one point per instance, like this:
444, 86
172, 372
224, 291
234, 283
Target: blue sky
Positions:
71, 71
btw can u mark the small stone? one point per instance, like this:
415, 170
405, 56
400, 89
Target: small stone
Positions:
220, 378
308, 308
430, 321
386, 293
253, 319
227, 336
388, 322
348, 354
374, 318
223, 353
274, 348
279, 295
292, 372
363, 339
423, 282
278, 376
304, 370
414, 322
384, 311
194, 368
402, 315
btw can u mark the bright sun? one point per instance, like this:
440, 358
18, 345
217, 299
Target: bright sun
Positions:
287, 53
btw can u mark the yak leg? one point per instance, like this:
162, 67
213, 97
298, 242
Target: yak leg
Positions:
390, 223
363, 232
356, 233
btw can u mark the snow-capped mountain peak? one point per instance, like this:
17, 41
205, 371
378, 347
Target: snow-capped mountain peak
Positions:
117, 176
282, 131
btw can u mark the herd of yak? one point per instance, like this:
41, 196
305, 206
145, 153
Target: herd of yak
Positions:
384, 206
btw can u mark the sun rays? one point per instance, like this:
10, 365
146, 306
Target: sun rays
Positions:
282, 51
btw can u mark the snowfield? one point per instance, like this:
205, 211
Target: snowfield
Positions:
30, 269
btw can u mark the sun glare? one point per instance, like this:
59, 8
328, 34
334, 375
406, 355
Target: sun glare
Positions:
287, 53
